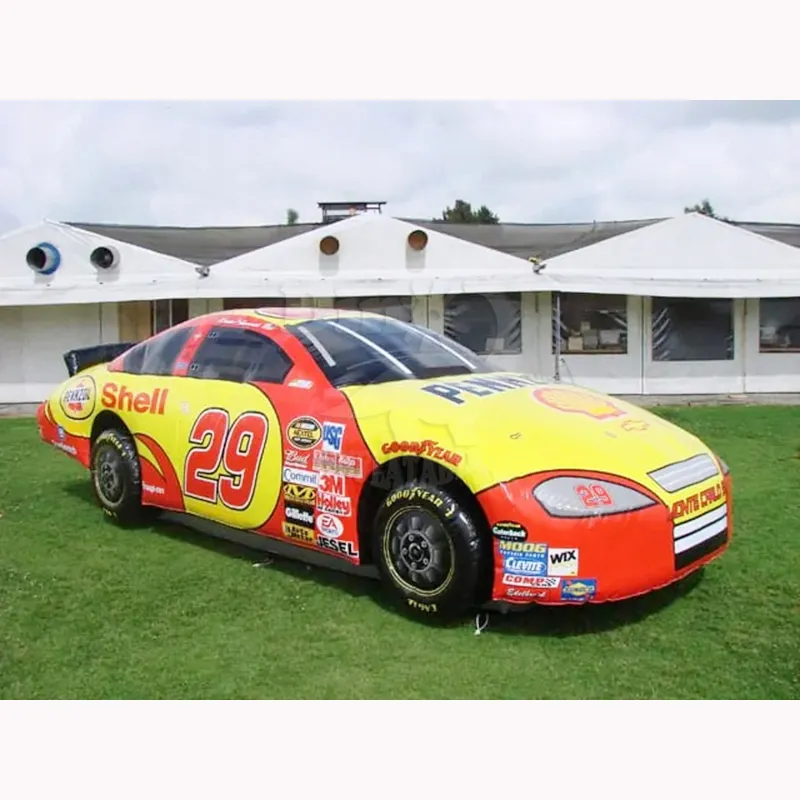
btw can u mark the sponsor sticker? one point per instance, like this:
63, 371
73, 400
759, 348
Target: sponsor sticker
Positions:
148, 488
459, 392
61, 433
300, 476
295, 459
574, 401
578, 589
298, 532
334, 504
301, 383
352, 466
337, 546
562, 561
429, 448
698, 500
332, 482
525, 564
525, 594
121, 398
304, 432
531, 581
330, 526
332, 436
78, 398
509, 531
302, 515
305, 495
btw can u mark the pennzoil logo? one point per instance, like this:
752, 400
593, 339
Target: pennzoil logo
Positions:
78, 398
304, 433
696, 501
305, 495
574, 401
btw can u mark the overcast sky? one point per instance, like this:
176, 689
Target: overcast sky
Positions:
246, 163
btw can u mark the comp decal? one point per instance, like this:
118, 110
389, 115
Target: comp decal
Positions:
238, 448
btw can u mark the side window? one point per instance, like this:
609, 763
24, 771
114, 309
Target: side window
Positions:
239, 356
157, 356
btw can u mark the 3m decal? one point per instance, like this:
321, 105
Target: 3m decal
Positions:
693, 503
301, 476
332, 483
332, 437
574, 401
294, 459
509, 531
329, 526
121, 398
428, 448
562, 561
334, 504
345, 548
237, 448
352, 466
532, 581
306, 495
304, 433
579, 589
455, 391
593, 495
302, 515
298, 532
79, 398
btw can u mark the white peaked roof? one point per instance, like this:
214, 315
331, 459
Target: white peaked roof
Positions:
140, 274
374, 258
688, 256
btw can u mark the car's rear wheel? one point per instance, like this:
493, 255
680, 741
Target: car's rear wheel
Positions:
116, 478
429, 550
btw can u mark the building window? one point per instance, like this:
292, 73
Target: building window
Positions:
779, 325
692, 329
166, 313
591, 323
399, 308
487, 324
235, 303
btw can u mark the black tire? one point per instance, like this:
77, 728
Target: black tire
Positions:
117, 480
429, 550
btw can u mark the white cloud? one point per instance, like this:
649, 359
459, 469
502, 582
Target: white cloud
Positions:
246, 163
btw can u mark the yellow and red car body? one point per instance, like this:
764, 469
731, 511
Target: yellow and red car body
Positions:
576, 496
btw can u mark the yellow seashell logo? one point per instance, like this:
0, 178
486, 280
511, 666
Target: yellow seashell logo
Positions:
574, 401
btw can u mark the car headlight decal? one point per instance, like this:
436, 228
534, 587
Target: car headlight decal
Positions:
587, 497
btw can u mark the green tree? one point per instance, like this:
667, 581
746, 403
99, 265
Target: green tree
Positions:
705, 208
462, 211
291, 216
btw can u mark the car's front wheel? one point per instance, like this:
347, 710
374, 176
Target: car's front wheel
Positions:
116, 478
430, 550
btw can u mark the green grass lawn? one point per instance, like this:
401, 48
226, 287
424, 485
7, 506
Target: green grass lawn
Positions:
91, 611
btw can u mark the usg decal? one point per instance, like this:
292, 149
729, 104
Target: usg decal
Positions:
332, 435
78, 398
300, 476
330, 526
304, 432
562, 561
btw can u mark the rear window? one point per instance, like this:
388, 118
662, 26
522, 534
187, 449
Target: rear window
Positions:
157, 356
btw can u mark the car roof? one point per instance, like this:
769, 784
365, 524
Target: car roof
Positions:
287, 316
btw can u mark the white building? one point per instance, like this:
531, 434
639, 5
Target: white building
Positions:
685, 305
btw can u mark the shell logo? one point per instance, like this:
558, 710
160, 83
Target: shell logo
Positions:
78, 399
574, 401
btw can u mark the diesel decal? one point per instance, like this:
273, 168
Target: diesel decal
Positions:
294, 493
428, 448
123, 399
298, 532
304, 432
78, 399
343, 548
695, 502
478, 387
302, 515
509, 531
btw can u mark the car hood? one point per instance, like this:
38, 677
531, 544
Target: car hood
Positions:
499, 426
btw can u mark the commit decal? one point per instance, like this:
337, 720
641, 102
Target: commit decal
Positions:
459, 392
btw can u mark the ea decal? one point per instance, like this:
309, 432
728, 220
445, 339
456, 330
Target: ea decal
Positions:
329, 526
509, 531
78, 398
304, 432
574, 401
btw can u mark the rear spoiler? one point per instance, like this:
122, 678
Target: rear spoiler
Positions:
85, 357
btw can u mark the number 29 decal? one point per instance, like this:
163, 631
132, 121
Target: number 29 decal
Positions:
238, 448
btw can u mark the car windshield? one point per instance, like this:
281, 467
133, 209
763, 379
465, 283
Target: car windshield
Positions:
356, 351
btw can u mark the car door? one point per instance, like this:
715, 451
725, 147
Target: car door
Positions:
229, 437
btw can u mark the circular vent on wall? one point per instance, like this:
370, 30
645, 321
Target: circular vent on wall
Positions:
43, 259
